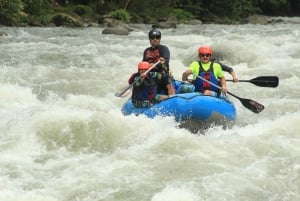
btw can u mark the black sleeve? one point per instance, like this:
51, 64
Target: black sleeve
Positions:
144, 55
132, 77
223, 66
165, 53
226, 68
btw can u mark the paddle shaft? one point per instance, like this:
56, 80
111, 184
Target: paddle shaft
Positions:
250, 104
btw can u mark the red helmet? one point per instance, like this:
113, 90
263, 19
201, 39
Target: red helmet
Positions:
144, 65
205, 50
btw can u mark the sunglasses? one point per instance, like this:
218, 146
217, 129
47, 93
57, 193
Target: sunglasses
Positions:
155, 37
204, 55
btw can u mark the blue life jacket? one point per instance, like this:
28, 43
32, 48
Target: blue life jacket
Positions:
201, 85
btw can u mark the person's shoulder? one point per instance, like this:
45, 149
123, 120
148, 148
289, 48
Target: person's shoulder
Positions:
163, 47
214, 60
148, 48
217, 68
132, 77
217, 64
194, 64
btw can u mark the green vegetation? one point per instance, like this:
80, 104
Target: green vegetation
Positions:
42, 12
83, 10
10, 11
120, 14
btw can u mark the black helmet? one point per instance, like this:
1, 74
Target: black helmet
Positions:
154, 32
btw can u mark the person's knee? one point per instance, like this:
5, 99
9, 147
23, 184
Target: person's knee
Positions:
171, 90
210, 93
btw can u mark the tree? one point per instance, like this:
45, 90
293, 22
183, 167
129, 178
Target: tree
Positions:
10, 12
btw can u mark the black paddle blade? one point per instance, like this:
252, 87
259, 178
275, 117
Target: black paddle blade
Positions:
265, 81
252, 105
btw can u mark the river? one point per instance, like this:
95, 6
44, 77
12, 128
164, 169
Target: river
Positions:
63, 136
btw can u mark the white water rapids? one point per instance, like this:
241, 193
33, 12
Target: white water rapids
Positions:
64, 138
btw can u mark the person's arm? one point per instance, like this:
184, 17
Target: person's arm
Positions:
165, 53
138, 80
144, 55
185, 75
220, 75
230, 71
223, 84
226, 68
163, 73
234, 77
132, 77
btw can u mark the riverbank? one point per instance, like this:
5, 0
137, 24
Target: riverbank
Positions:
117, 27
95, 13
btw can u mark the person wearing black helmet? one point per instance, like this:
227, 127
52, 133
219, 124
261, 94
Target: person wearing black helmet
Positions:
158, 52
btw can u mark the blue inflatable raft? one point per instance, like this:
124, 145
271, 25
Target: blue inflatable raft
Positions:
186, 106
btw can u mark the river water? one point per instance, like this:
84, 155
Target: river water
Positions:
64, 138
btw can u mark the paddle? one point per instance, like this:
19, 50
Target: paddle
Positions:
250, 104
125, 91
263, 81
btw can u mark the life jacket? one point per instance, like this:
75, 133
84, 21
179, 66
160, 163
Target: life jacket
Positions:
152, 55
201, 85
144, 94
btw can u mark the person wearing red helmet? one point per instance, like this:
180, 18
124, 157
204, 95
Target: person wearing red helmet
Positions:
207, 69
145, 86
157, 52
